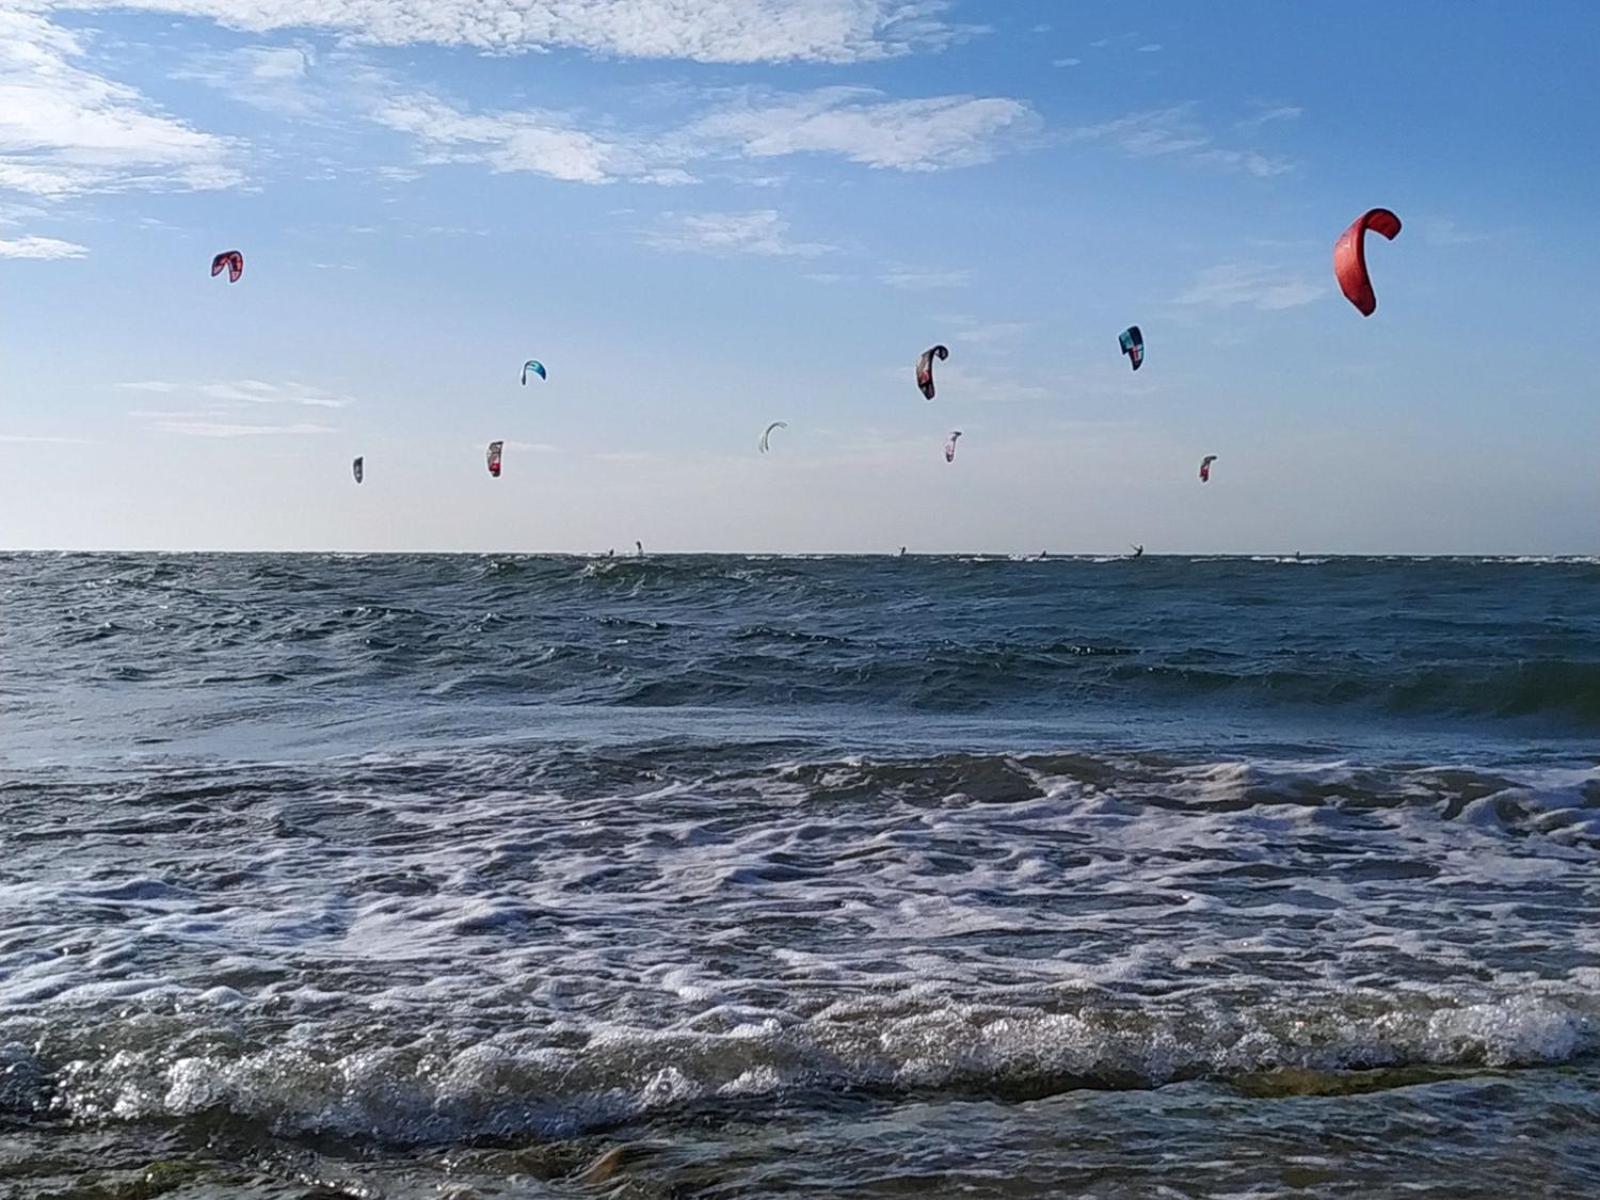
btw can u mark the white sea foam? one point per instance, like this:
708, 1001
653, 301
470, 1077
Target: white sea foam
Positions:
365, 954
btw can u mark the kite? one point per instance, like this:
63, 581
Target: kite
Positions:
1132, 343
492, 456
232, 260
1205, 467
925, 368
950, 446
767, 433
358, 467
534, 365
1350, 257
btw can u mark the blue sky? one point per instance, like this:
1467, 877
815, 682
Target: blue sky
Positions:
713, 214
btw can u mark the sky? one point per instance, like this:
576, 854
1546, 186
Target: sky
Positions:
707, 215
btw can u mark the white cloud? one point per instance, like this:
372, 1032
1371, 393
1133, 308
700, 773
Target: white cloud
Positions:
15, 214
228, 409
1174, 132
1066, 62
1152, 48
993, 332
1271, 116
236, 394
922, 280
726, 31
274, 79
1265, 288
40, 247
1249, 161
857, 123
65, 130
763, 232
540, 142
29, 439
977, 387
202, 427
1147, 134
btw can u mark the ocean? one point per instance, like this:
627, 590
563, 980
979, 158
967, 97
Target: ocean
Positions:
494, 876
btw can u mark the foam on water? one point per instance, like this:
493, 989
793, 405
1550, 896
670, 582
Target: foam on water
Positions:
421, 949
730, 858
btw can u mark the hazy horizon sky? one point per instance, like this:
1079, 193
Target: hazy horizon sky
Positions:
712, 215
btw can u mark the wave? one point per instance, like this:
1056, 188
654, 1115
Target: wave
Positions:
450, 1088
498, 941
1436, 640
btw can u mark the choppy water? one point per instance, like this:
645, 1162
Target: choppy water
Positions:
727, 877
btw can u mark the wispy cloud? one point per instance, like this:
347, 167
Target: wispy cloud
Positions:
1266, 288
978, 387
860, 125
722, 31
916, 281
30, 439
543, 143
205, 428
233, 409
40, 248
15, 214
992, 333
274, 79
763, 232
1175, 133
66, 130
245, 391
857, 124
1276, 114
1150, 48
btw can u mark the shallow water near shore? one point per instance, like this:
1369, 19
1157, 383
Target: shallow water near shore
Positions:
405, 876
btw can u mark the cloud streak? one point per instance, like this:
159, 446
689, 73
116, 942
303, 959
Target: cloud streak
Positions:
763, 232
244, 392
204, 428
916, 281
65, 130
42, 248
532, 141
1267, 289
857, 124
711, 31
1175, 133
231, 409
